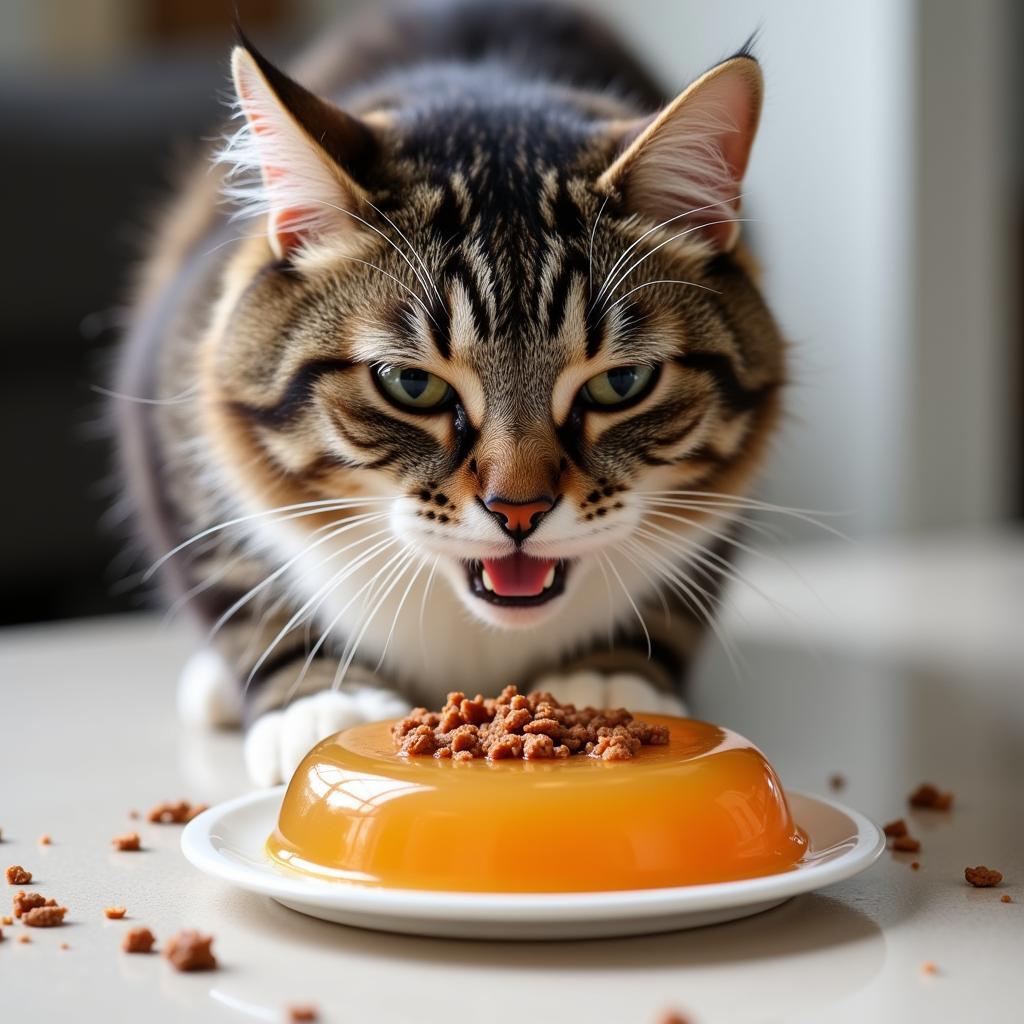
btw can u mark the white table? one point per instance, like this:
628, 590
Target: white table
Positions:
89, 732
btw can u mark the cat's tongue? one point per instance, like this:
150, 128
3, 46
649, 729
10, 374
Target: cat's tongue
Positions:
519, 575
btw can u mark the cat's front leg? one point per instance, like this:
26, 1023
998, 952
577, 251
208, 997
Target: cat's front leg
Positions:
590, 688
279, 738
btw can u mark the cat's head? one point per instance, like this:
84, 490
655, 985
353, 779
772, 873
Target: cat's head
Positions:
510, 318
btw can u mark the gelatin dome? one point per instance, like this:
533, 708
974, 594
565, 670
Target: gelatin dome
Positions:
706, 807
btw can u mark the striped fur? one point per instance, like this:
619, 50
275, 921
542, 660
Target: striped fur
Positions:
486, 208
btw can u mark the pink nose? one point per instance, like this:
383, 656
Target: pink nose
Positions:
518, 518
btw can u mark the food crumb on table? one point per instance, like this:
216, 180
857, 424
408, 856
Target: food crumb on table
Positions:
929, 967
906, 844
114, 913
929, 797
45, 840
190, 951
673, 1017
174, 812
837, 782
915, 865
127, 842
982, 877
138, 940
64, 945
895, 829
17, 875
301, 1013
24, 939
46, 916
26, 901
1006, 898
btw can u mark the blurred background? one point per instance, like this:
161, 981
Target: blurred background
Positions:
887, 187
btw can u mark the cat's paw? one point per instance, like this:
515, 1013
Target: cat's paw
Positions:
208, 692
279, 740
618, 690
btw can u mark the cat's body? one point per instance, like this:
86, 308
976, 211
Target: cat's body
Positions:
453, 235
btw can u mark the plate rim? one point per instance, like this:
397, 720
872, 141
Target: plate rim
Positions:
198, 847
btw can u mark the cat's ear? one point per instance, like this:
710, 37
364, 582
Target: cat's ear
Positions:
293, 159
687, 162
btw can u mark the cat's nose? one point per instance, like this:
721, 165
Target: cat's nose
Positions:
519, 518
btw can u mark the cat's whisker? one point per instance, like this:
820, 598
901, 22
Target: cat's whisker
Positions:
611, 605
299, 615
410, 247
684, 589
423, 604
654, 585
362, 220
401, 284
305, 508
626, 274
624, 255
346, 525
339, 676
648, 284
188, 395
590, 249
744, 499
694, 524
722, 506
629, 597
398, 611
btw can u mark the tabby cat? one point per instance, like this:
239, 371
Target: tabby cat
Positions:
473, 395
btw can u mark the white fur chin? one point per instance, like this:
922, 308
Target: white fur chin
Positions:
279, 740
208, 694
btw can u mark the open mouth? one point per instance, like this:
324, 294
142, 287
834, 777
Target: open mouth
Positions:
517, 581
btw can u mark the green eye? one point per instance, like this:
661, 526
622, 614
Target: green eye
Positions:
414, 389
617, 386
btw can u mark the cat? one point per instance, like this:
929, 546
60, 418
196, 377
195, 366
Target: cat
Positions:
472, 392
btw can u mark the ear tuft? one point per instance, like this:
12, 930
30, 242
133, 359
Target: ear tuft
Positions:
287, 159
689, 160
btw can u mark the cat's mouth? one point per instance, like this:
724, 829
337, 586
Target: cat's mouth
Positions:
518, 580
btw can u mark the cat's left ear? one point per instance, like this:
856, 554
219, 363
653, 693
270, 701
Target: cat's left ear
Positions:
687, 162
305, 153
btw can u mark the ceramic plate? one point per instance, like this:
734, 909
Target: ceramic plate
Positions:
227, 842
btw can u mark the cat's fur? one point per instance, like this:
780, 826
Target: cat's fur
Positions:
464, 215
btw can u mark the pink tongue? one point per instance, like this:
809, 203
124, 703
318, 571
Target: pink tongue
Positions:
518, 575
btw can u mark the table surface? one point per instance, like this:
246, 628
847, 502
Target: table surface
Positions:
90, 733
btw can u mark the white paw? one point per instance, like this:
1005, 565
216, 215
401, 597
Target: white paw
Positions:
279, 740
208, 693
619, 690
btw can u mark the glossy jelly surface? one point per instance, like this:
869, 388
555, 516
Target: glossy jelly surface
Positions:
707, 807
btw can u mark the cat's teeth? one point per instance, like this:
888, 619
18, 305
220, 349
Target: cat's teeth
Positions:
550, 578
488, 585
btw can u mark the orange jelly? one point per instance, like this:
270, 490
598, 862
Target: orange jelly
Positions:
707, 807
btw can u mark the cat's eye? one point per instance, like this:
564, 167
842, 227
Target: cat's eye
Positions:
618, 386
410, 388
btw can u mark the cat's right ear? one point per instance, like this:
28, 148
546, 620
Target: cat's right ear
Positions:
294, 158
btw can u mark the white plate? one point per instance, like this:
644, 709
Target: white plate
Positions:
227, 842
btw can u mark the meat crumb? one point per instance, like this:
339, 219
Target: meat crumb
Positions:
26, 901
673, 1017
982, 877
174, 812
929, 797
837, 782
45, 840
138, 940
190, 951
17, 875
531, 727
915, 865
127, 842
929, 967
115, 913
895, 828
64, 945
45, 917
1006, 898
6, 919
906, 844
24, 939
133, 814
298, 1014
